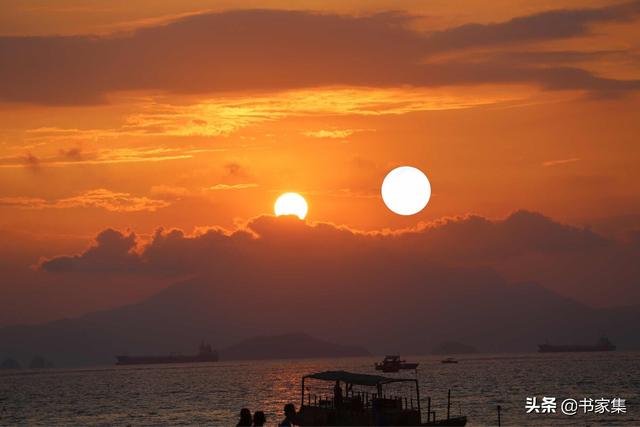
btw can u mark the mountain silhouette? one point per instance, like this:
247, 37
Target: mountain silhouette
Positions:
386, 314
288, 346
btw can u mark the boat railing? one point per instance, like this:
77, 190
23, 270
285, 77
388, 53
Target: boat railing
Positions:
362, 400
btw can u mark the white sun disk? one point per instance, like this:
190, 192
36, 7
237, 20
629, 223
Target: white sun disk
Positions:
291, 204
406, 190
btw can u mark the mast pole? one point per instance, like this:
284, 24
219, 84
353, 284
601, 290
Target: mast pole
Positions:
418, 397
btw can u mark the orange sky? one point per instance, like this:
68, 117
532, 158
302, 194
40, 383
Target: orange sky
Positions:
144, 114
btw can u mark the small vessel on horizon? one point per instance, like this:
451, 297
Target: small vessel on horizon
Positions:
449, 360
205, 354
602, 345
393, 363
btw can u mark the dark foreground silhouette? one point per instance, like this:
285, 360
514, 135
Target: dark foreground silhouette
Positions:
368, 404
259, 419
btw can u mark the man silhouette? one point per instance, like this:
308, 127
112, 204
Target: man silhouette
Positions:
289, 415
337, 395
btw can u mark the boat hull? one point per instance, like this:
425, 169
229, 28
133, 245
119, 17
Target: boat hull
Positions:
409, 365
395, 367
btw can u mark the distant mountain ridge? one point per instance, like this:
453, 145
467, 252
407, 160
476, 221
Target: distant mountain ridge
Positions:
410, 314
288, 346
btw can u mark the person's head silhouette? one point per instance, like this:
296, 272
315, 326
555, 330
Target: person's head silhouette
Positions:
259, 419
289, 410
245, 417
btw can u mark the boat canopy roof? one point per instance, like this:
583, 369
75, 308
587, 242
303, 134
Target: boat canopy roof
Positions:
358, 379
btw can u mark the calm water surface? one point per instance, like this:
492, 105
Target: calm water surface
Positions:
212, 394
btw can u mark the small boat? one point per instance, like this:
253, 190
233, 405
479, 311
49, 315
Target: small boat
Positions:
393, 363
366, 402
449, 360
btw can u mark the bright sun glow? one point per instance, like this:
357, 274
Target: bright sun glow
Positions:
291, 204
406, 190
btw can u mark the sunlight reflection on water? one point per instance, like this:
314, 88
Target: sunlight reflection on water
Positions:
214, 393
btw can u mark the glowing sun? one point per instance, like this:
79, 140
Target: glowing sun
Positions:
406, 190
291, 204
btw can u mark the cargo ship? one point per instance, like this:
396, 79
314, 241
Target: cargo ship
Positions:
205, 354
602, 345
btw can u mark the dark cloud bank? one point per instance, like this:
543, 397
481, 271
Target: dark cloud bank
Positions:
523, 247
395, 292
274, 50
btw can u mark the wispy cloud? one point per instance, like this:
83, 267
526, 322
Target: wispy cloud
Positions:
104, 156
28, 161
332, 133
98, 198
221, 117
241, 186
560, 162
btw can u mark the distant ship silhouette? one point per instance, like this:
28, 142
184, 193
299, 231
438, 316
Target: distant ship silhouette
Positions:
602, 345
205, 354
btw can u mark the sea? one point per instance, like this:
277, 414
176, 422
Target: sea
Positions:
214, 393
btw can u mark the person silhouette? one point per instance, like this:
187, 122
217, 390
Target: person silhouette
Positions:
337, 395
289, 415
259, 419
245, 418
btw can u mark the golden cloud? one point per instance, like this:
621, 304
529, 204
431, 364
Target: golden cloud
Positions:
560, 162
98, 198
106, 156
331, 133
240, 186
223, 116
